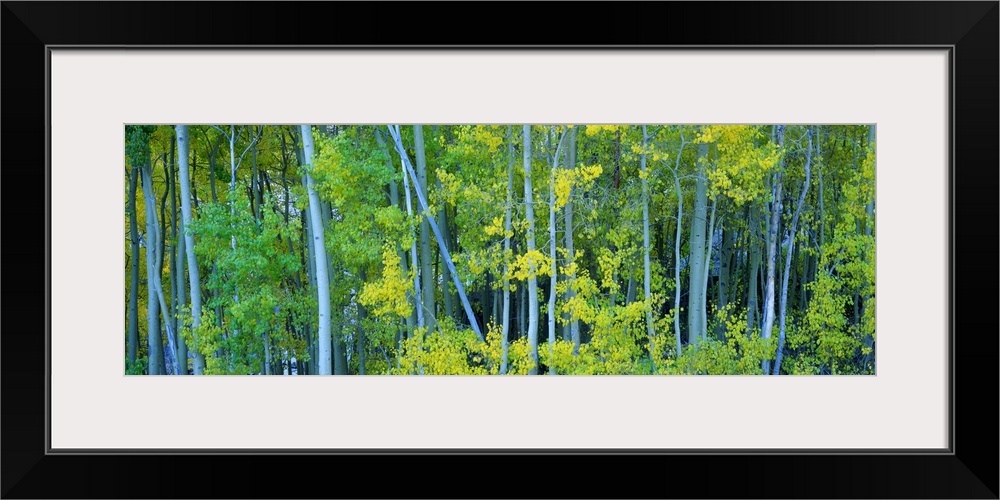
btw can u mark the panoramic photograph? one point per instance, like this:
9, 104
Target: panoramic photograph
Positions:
510, 249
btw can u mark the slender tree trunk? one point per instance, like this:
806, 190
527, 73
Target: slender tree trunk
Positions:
553, 273
310, 265
212, 155
336, 313
172, 194
154, 337
677, 247
532, 280
495, 314
646, 276
319, 252
182, 349
194, 278
154, 348
753, 242
696, 244
266, 365
427, 275
177, 277
505, 328
133, 297
709, 239
194, 186
822, 208
154, 279
522, 312
572, 328
788, 261
772, 250
485, 297
161, 249
445, 273
725, 268
258, 192
443, 222
337, 309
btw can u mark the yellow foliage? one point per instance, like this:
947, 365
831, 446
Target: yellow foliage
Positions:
531, 264
592, 130
741, 165
387, 295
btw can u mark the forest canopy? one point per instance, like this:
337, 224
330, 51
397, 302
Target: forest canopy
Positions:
499, 249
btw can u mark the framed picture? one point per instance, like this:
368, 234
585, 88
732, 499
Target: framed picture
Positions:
912, 86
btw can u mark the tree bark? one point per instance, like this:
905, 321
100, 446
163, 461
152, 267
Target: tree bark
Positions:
336, 328
696, 245
310, 265
154, 266
646, 276
532, 280
177, 270
788, 261
505, 328
426, 272
182, 349
772, 249
319, 253
572, 328
725, 268
153, 336
194, 277
552, 250
709, 239
753, 242
449, 309
677, 247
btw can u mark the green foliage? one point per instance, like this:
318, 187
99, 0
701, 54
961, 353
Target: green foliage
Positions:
137, 367
137, 139
258, 287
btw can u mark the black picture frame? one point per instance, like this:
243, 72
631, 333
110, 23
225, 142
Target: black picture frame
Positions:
969, 31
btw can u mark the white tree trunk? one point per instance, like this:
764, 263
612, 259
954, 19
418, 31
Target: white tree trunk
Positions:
532, 280
677, 247
153, 278
696, 244
505, 330
319, 254
772, 249
645, 245
707, 270
788, 261
552, 250
573, 324
183, 147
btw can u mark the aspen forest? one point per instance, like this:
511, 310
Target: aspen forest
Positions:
499, 249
